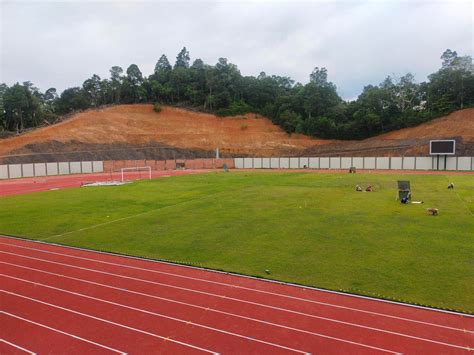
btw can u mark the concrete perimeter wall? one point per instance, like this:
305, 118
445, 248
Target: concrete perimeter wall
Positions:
12, 171
363, 163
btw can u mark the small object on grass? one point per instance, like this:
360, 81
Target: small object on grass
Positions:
267, 272
369, 188
433, 211
404, 200
417, 202
352, 170
451, 185
358, 188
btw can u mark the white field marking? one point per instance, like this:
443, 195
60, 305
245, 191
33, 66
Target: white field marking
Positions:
462, 201
248, 289
310, 288
244, 301
109, 322
128, 217
155, 314
204, 308
60, 331
16, 346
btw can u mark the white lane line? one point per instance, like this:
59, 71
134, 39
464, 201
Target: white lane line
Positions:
61, 332
248, 289
110, 322
208, 309
15, 345
187, 322
246, 277
244, 301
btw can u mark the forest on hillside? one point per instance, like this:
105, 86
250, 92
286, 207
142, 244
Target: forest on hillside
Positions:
314, 108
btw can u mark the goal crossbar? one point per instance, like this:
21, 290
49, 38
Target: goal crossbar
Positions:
138, 169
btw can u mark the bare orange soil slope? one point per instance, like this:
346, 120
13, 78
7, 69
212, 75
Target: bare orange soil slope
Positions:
457, 124
409, 141
137, 132
139, 125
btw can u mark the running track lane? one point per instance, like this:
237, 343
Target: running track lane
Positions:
97, 302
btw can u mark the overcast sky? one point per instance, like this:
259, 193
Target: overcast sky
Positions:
62, 43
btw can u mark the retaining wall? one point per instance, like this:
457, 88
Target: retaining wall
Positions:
367, 163
12, 171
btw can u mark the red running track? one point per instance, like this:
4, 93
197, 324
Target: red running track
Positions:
57, 299
36, 184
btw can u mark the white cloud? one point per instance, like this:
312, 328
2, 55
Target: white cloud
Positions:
62, 43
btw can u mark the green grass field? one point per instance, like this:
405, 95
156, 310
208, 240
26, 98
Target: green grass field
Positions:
307, 228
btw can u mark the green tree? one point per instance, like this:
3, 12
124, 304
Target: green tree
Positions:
182, 59
162, 70
116, 80
92, 89
3, 121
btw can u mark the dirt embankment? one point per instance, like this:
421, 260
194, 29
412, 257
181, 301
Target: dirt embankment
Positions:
137, 132
413, 141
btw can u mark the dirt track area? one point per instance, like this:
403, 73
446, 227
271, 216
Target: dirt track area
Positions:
137, 132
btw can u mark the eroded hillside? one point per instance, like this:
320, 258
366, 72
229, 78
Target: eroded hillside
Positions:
137, 132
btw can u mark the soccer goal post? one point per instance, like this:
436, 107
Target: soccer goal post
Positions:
135, 173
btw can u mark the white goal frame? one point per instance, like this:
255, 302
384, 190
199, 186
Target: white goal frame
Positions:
138, 168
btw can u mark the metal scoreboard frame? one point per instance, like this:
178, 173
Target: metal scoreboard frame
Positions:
453, 152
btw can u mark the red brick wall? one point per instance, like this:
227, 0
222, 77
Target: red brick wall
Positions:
116, 165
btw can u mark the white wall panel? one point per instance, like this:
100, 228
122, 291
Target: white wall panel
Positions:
383, 163
75, 167
3, 171
14, 171
408, 163
98, 166
369, 163
335, 163
63, 168
464, 163
396, 163
266, 163
28, 170
248, 163
239, 163
40, 169
294, 163
275, 163
424, 163
358, 162
284, 163
451, 163
52, 169
257, 163
313, 163
86, 167
304, 162
346, 163
324, 163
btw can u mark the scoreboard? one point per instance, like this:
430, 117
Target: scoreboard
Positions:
443, 147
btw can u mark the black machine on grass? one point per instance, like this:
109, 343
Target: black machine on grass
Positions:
404, 191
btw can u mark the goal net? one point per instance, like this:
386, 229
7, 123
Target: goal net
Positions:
142, 172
